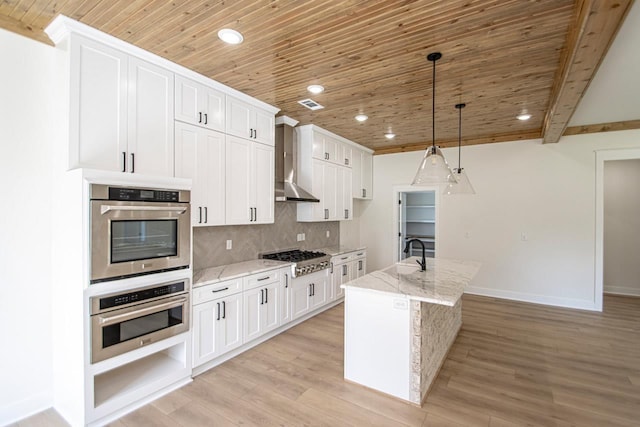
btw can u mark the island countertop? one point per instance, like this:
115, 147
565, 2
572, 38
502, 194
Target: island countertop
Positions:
443, 282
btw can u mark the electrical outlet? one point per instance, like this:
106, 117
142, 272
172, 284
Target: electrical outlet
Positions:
229, 244
299, 237
328, 234
303, 236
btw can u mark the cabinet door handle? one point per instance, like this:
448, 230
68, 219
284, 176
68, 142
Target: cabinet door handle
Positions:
263, 278
364, 191
205, 119
199, 214
199, 117
313, 289
255, 214
218, 310
310, 294
266, 296
205, 215
360, 265
224, 310
220, 290
346, 214
250, 214
261, 296
133, 163
344, 270
331, 267
326, 214
286, 280
255, 133
346, 162
124, 161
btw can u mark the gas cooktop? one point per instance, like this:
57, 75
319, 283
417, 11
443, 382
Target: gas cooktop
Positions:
304, 262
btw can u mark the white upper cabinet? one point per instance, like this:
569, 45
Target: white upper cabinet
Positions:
330, 181
199, 105
200, 155
121, 111
249, 180
98, 102
247, 121
151, 136
362, 174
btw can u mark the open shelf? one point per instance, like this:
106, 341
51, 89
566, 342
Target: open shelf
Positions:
128, 378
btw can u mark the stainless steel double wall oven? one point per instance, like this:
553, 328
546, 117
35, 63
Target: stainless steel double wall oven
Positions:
138, 232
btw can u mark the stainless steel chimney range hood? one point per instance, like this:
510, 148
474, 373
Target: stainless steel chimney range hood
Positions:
285, 151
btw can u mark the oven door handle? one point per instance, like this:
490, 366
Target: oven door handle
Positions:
108, 208
109, 320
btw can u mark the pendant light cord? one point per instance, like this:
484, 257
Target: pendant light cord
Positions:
460, 107
433, 108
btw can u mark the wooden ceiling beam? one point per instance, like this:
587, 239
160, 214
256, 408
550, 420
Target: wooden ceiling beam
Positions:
19, 27
596, 22
519, 136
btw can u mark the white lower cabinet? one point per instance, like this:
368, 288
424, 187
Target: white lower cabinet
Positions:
309, 292
217, 327
262, 310
286, 295
344, 268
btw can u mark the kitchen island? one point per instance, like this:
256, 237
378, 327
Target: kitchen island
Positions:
400, 323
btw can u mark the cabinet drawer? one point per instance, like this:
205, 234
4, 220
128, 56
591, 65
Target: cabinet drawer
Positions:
216, 290
261, 279
341, 259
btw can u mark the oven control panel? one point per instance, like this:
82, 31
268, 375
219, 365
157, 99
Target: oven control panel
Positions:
139, 295
143, 195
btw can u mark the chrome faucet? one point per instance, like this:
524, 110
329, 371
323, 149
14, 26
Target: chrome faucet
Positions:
423, 264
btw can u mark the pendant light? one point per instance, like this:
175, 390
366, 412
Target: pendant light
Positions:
463, 185
434, 168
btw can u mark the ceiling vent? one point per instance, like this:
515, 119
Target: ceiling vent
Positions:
311, 104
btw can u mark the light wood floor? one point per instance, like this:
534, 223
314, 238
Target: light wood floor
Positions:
513, 364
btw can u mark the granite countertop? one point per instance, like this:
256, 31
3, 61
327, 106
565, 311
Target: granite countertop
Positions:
443, 282
341, 249
208, 276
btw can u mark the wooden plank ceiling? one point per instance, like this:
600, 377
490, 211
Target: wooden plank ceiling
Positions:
500, 57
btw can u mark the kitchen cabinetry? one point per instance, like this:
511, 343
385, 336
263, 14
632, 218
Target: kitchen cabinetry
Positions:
217, 320
330, 181
250, 176
328, 147
121, 111
417, 221
362, 174
200, 156
247, 121
344, 268
199, 105
262, 302
285, 297
309, 292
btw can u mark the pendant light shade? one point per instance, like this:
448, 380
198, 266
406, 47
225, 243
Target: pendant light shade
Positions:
434, 168
462, 185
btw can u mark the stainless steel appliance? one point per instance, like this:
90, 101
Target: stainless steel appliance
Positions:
137, 231
304, 262
124, 321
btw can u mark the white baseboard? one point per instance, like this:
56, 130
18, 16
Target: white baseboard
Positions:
622, 290
533, 298
25, 408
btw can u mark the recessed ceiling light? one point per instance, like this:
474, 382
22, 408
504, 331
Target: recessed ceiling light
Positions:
315, 89
523, 116
230, 36
361, 117
389, 135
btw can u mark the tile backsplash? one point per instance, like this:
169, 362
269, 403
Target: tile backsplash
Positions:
248, 241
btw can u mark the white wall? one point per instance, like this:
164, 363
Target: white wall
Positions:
622, 227
26, 119
545, 191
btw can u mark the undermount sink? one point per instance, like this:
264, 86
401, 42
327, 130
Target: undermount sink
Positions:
409, 273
